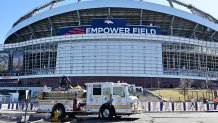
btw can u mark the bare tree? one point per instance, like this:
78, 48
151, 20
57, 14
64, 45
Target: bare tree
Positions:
211, 85
185, 85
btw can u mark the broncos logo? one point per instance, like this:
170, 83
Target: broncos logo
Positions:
107, 21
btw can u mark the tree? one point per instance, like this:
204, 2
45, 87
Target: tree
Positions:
203, 85
184, 86
172, 85
211, 85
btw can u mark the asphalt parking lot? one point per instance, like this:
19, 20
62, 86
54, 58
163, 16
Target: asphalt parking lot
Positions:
154, 117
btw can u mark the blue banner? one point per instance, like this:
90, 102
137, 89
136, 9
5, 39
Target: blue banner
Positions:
4, 61
109, 26
18, 60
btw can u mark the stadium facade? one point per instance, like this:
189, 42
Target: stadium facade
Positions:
111, 40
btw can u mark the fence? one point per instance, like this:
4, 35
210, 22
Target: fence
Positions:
146, 106
178, 106
32, 106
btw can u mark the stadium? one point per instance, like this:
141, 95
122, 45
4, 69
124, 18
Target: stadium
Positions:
148, 44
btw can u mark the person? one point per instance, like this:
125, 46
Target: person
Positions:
205, 100
63, 83
172, 100
161, 99
161, 102
216, 100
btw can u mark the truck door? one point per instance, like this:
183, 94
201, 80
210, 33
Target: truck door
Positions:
106, 95
96, 98
119, 99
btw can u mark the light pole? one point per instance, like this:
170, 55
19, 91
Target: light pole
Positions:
27, 102
206, 84
206, 75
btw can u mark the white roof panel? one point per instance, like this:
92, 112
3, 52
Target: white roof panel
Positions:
114, 3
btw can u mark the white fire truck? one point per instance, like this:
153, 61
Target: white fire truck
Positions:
107, 99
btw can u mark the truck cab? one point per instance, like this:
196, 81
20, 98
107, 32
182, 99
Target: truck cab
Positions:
111, 99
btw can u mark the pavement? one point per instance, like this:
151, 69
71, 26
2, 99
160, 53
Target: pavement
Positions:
181, 117
148, 117
15, 112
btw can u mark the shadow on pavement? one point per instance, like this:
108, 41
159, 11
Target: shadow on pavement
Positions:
92, 120
41, 118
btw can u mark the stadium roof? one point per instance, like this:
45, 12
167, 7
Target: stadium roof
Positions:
172, 3
198, 15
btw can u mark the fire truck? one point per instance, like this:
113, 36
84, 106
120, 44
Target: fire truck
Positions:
107, 99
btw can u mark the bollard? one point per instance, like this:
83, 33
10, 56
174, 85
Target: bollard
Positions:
9, 105
214, 107
22, 108
17, 105
207, 105
31, 106
161, 106
173, 106
196, 106
184, 106
149, 106
12, 105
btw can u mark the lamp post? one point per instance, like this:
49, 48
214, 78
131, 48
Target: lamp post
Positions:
27, 102
206, 80
206, 77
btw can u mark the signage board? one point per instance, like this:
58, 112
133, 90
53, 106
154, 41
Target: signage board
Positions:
18, 60
117, 26
4, 61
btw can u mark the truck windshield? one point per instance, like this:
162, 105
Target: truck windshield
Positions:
119, 91
131, 91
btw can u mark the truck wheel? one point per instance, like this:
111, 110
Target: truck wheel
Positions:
61, 111
106, 113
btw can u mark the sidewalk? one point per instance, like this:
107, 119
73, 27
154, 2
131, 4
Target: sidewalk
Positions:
15, 112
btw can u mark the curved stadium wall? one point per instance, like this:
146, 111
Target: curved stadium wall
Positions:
51, 44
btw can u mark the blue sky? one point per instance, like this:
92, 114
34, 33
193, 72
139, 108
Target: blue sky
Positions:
11, 10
